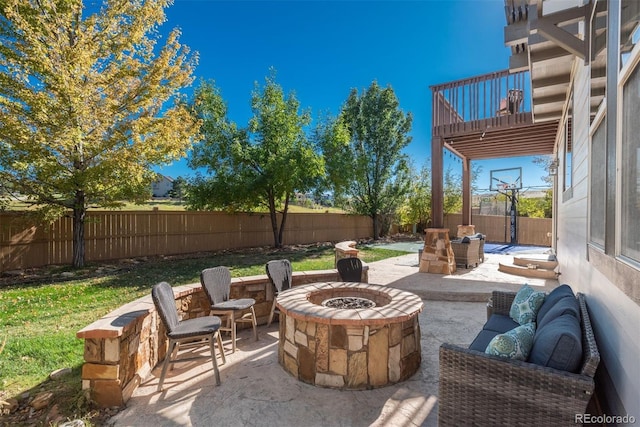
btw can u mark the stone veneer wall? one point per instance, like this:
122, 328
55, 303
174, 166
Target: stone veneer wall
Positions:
348, 356
122, 348
437, 255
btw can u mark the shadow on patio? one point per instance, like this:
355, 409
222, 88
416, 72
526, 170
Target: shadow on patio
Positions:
255, 390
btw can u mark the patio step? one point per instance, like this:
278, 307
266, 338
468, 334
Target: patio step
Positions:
530, 270
549, 263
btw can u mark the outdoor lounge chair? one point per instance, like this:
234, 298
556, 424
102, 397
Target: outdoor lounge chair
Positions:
466, 251
511, 104
179, 331
279, 272
350, 269
216, 283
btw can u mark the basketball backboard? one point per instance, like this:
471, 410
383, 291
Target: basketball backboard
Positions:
506, 179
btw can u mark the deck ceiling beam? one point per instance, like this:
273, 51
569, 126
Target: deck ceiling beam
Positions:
548, 26
561, 80
496, 143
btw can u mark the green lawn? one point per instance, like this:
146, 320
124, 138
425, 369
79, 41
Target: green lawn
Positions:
174, 205
39, 321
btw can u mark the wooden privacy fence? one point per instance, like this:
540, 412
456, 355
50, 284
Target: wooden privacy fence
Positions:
531, 231
115, 235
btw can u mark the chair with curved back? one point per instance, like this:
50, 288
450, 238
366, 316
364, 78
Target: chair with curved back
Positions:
216, 283
179, 331
350, 269
280, 274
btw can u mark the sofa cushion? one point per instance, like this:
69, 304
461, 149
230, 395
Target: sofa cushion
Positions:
526, 304
554, 296
558, 344
500, 323
513, 344
567, 305
482, 340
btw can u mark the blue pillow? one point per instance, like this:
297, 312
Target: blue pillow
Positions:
559, 344
554, 296
526, 304
513, 344
566, 305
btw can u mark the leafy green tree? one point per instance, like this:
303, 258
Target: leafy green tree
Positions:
88, 104
536, 207
452, 192
416, 208
369, 169
530, 207
178, 188
259, 167
544, 162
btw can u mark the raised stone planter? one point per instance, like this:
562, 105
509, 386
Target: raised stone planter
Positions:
122, 347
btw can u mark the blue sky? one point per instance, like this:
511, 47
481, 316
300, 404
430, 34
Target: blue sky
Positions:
323, 49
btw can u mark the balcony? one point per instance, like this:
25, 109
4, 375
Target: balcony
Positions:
489, 116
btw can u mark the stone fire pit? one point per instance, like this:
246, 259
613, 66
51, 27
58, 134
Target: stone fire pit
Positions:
349, 348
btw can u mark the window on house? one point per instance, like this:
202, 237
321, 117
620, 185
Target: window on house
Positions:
568, 149
630, 168
629, 29
598, 60
598, 178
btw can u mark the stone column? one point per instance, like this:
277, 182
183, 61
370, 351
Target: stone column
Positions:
466, 230
437, 255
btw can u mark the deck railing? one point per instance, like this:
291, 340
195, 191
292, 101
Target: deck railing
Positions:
481, 98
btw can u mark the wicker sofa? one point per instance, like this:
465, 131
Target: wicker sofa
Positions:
481, 389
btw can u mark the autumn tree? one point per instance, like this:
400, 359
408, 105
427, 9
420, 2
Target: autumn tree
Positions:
369, 169
258, 167
88, 104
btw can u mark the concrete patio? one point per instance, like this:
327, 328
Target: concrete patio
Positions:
256, 391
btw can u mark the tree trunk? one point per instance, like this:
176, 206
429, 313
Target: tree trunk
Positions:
284, 220
277, 241
79, 213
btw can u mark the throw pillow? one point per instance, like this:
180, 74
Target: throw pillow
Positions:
513, 344
526, 304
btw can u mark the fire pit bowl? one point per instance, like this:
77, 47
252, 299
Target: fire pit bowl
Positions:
344, 347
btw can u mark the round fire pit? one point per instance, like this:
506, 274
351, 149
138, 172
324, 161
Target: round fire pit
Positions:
349, 335
348, 302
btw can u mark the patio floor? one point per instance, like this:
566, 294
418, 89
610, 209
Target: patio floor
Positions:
256, 391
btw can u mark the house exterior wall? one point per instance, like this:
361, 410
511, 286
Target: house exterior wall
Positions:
615, 315
161, 187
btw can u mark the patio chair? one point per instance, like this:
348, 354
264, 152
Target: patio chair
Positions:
350, 269
280, 273
190, 331
216, 283
482, 238
466, 251
511, 104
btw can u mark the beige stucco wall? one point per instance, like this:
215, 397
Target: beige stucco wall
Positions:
615, 316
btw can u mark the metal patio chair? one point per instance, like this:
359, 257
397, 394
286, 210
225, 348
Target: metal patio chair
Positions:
280, 274
190, 331
350, 269
216, 283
